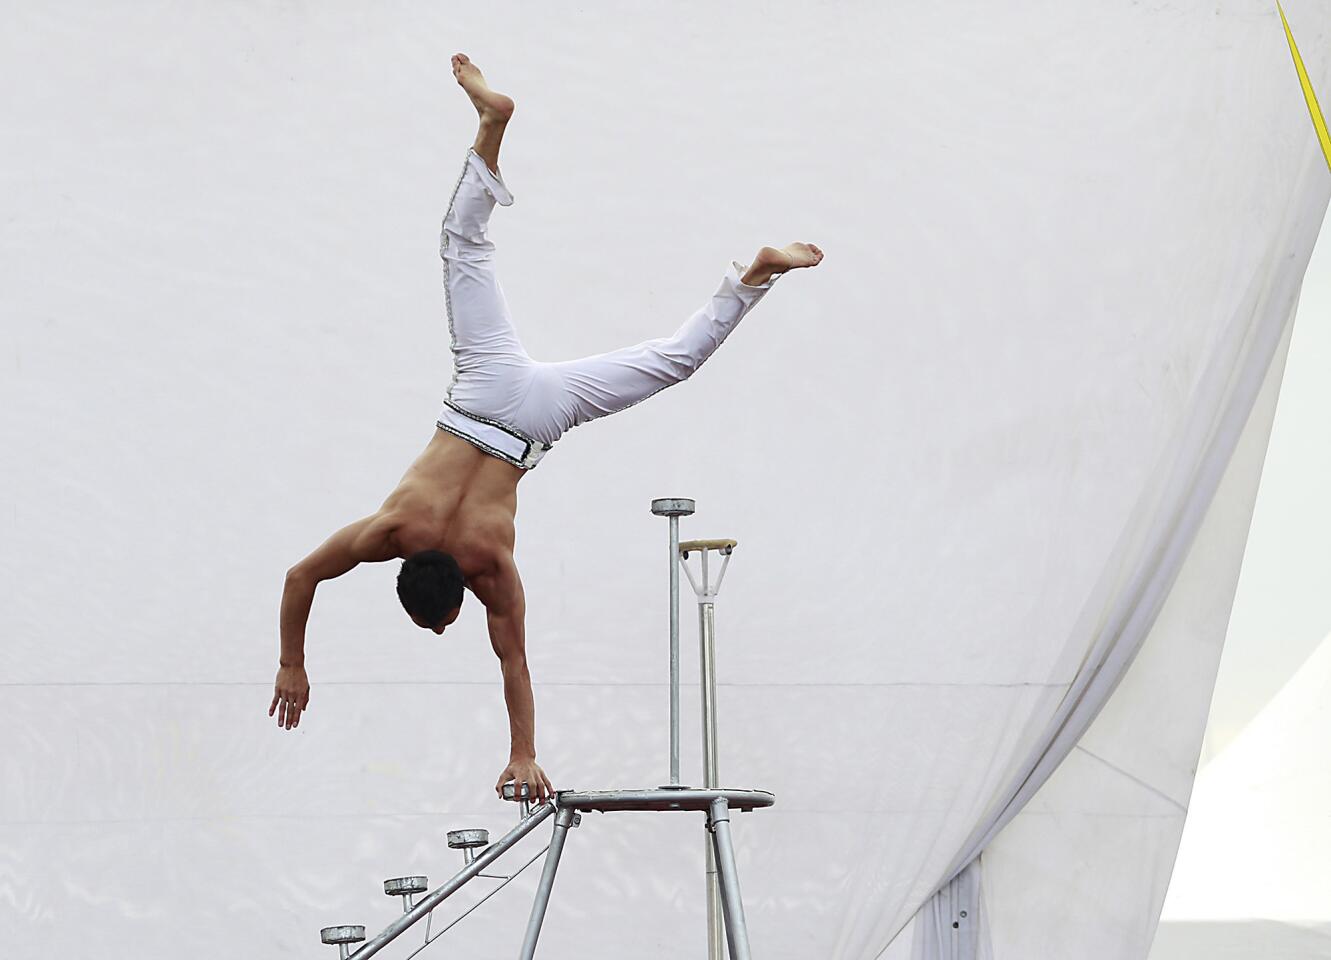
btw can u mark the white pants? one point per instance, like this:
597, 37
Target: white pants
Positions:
514, 407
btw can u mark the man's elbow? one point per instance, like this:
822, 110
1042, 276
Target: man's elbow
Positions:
514, 665
300, 576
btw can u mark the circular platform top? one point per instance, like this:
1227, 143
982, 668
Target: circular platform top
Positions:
397, 887
461, 839
663, 798
673, 507
346, 934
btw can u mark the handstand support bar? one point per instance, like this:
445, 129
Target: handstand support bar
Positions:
674, 508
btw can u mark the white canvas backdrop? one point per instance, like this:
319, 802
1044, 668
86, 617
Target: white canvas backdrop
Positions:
1231, 893
227, 339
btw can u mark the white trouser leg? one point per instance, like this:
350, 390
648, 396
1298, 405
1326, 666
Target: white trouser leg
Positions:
513, 407
571, 392
490, 367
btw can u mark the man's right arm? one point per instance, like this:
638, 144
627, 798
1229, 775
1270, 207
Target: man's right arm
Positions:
366, 540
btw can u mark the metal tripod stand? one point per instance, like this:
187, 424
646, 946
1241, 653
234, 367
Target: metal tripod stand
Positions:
725, 905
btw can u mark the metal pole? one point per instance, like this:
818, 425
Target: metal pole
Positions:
737, 933
674, 508
711, 775
674, 649
706, 592
707, 629
563, 820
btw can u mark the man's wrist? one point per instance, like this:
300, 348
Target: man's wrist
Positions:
521, 753
291, 661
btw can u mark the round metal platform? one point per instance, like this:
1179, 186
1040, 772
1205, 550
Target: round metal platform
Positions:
348, 933
686, 798
401, 886
673, 507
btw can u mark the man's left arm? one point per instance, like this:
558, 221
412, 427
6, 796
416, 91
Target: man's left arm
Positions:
506, 611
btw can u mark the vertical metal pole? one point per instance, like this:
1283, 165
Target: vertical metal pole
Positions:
563, 820
711, 774
674, 508
715, 924
707, 628
674, 649
737, 933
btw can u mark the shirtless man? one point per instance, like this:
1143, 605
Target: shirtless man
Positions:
451, 517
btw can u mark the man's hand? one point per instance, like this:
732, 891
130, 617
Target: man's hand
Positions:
525, 771
291, 695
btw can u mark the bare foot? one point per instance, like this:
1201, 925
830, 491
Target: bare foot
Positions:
790, 257
490, 105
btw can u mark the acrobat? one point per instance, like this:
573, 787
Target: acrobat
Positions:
451, 518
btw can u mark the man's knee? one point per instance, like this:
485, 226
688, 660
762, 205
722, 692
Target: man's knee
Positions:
459, 240
680, 355
468, 216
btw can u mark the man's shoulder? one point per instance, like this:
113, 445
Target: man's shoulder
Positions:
398, 535
485, 563
493, 577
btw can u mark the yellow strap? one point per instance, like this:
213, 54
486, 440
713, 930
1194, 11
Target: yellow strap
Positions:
1319, 123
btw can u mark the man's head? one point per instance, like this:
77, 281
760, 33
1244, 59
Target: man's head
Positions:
430, 588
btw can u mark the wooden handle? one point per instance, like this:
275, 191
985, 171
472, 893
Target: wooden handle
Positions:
688, 546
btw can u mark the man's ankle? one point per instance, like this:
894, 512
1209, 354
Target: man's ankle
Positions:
756, 275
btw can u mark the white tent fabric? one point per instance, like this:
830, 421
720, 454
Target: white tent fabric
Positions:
1258, 836
1111, 796
965, 458
1115, 797
1119, 800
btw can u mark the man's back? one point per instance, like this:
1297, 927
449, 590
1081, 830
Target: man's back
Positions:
457, 499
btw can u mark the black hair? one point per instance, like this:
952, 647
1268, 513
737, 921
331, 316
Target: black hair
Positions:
430, 585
